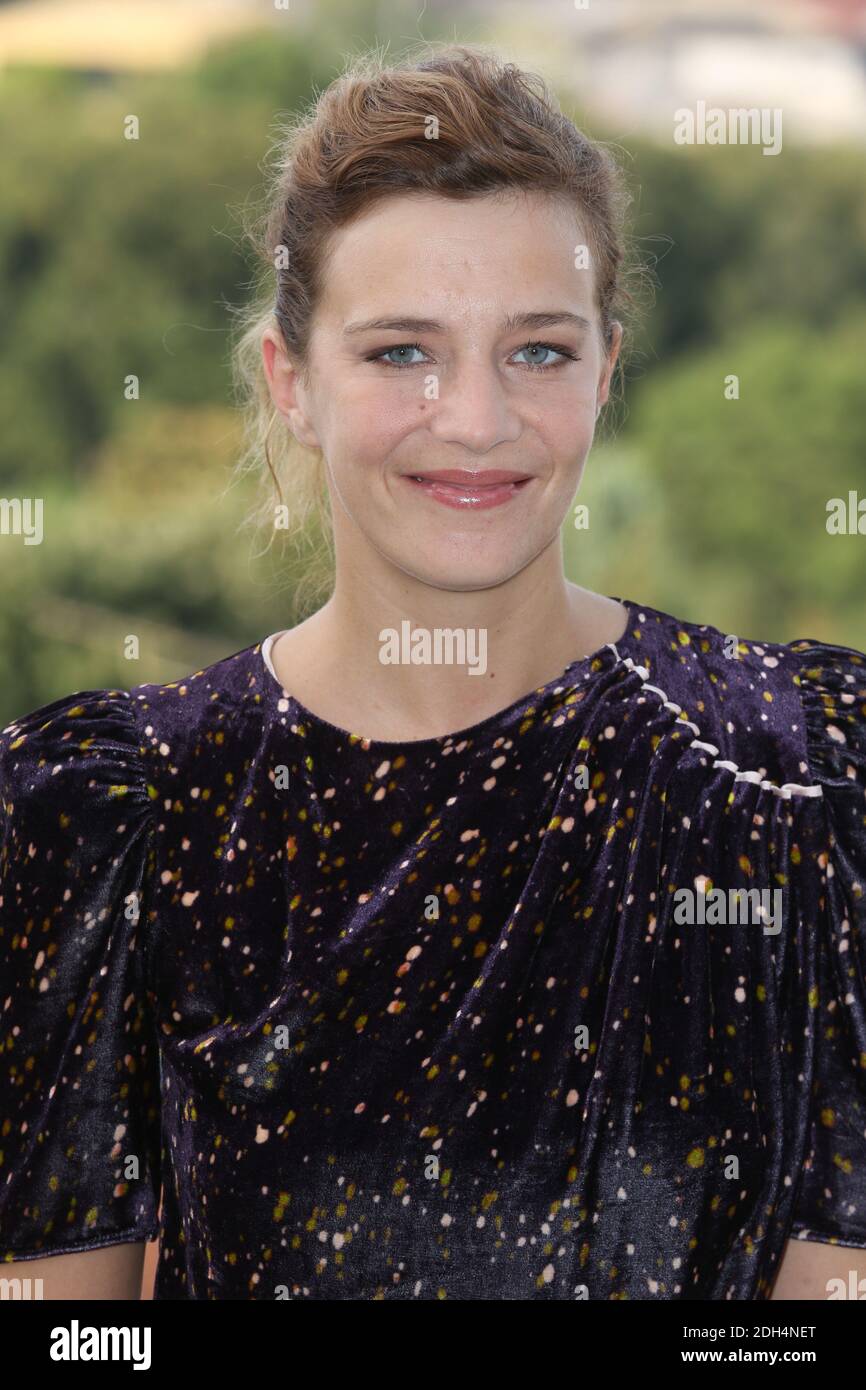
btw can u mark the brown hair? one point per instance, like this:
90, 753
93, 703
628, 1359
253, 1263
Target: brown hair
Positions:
366, 137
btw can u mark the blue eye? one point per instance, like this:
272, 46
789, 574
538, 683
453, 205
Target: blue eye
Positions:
401, 347
561, 353
401, 351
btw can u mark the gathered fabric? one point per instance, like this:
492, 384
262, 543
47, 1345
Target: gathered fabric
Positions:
341, 1018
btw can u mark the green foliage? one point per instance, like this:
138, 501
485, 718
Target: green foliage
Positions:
746, 481
118, 260
266, 69
735, 236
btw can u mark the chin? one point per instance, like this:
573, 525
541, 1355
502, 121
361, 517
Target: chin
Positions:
455, 576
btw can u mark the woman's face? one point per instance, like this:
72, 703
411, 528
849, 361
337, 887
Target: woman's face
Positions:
450, 380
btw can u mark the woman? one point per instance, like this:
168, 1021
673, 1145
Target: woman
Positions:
566, 1004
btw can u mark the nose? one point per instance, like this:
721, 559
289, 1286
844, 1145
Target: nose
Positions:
474, 409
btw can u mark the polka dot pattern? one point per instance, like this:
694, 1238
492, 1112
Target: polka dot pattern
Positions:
417, 1020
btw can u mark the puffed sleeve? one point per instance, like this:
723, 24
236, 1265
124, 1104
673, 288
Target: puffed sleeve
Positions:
831, 1198
79, 1069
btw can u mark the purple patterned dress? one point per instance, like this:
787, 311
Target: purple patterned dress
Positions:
352, 1019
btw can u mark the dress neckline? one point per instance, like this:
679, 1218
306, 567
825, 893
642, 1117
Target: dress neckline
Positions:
608, 653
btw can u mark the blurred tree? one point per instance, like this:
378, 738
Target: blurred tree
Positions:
735, 236
119, 260
746, 481
266, 68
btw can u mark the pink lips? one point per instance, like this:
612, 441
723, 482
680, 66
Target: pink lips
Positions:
458, 487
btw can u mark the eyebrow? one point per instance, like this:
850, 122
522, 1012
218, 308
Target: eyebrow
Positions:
539, 319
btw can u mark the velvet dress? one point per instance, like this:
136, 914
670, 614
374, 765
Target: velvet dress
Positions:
340, 1018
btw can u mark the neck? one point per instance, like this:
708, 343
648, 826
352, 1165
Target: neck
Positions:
403, 660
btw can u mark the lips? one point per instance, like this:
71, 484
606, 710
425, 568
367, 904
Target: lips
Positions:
487, 477
460, 488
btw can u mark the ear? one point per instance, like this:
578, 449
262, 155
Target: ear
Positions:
609, 364
284, 384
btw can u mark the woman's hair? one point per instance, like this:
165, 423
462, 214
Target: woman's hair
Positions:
494, 128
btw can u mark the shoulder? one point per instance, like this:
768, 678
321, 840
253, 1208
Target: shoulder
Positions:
787, 707
206, 719
76, 807
83, 743
707, 659
107, 746
832, 684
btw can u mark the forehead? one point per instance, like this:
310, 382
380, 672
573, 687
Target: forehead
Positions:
409, 251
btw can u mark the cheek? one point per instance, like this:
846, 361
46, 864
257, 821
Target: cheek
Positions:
566, 430
367, 419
